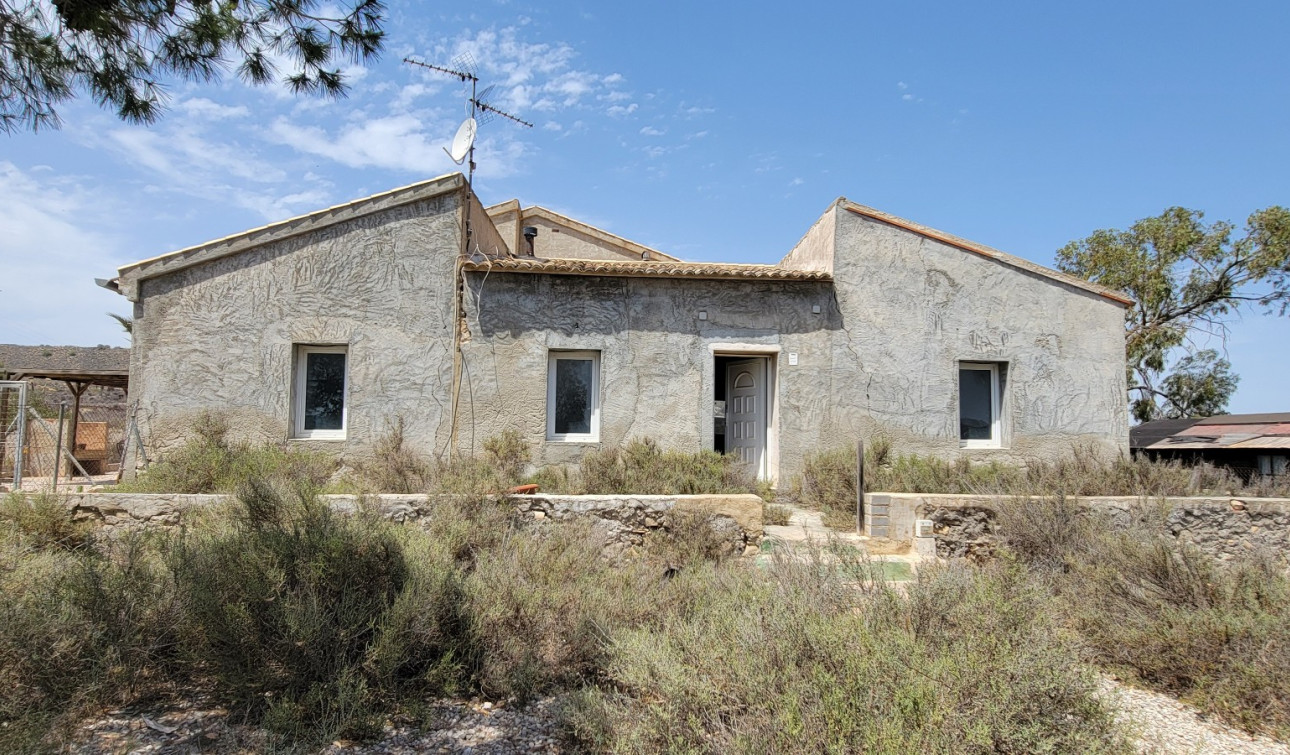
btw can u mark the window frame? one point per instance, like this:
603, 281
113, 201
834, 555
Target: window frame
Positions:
553, 357
298, 399
996, 405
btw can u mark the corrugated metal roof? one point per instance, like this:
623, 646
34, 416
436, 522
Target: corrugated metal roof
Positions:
1228, 429
659, 269
1245, 419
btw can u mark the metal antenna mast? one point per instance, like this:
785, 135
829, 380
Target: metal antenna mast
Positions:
478, 109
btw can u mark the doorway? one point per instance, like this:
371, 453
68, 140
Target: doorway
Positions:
741, 409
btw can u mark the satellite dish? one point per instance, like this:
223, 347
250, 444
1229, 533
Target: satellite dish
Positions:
463, 141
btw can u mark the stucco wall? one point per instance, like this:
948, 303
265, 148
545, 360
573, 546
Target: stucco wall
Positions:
881, 357
657, 368
913, 308
220, 335
557, 240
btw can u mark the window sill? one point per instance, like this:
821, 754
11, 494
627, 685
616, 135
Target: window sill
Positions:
573, 439
317, 437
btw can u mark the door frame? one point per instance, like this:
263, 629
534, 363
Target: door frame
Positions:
769, 352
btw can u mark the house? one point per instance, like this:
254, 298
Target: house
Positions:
1254, 446
422, 304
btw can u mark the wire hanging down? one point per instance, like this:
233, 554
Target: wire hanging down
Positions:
479, 108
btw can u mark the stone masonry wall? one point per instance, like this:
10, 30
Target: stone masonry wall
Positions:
623, 521
1224, 527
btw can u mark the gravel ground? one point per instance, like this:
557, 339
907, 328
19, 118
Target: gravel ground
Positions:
448, 726
1165, 725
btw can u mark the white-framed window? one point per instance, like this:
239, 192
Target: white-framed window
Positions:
980, 402
573, 396
321, 391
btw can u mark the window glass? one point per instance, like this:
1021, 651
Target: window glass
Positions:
976, 405
324, 391
573, 396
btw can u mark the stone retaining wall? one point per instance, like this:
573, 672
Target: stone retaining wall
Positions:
1224, 527
623, 521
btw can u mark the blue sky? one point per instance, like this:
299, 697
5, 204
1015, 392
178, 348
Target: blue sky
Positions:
708, 132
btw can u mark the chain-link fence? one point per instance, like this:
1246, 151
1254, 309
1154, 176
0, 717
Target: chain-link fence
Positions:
49, 448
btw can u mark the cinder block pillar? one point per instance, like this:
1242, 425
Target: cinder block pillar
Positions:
877, 515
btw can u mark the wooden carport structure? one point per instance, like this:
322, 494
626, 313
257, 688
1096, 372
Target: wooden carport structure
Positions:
77, 382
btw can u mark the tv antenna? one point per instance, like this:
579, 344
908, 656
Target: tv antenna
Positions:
479, 109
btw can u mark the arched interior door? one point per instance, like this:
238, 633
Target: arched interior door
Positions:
746, 401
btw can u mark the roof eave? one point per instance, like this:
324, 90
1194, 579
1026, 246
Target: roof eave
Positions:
129, 276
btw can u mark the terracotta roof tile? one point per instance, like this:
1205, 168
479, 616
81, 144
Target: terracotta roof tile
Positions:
653, 269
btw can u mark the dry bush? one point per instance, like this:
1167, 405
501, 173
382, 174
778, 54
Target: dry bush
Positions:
796, 660
43, 522
285, 604
775, 515
827, 482
79, 630
211, 463
1167, 615
641, 467
1163, 612
393, 467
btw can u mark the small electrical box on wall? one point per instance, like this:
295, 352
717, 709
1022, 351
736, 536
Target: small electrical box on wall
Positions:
792, 359
924, 528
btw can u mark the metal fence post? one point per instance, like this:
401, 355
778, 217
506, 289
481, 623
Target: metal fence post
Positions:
58, 445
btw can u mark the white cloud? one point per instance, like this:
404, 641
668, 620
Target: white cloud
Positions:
200, 107
552, 126
651, 131
907, 97
901, 85
617, 111
58, 237
796, 182
395, 142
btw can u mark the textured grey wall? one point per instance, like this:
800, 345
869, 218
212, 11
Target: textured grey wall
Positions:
913, 307
220, 335
881, 356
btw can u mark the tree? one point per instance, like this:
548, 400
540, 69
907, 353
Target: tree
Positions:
119, 51
1186, 278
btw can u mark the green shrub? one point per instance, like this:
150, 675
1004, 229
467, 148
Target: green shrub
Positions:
210, 463
285, 604
543, 605
965, 661
79, 630
43, 522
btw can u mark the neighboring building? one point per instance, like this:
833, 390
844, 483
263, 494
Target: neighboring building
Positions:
420, 303
1254, 446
